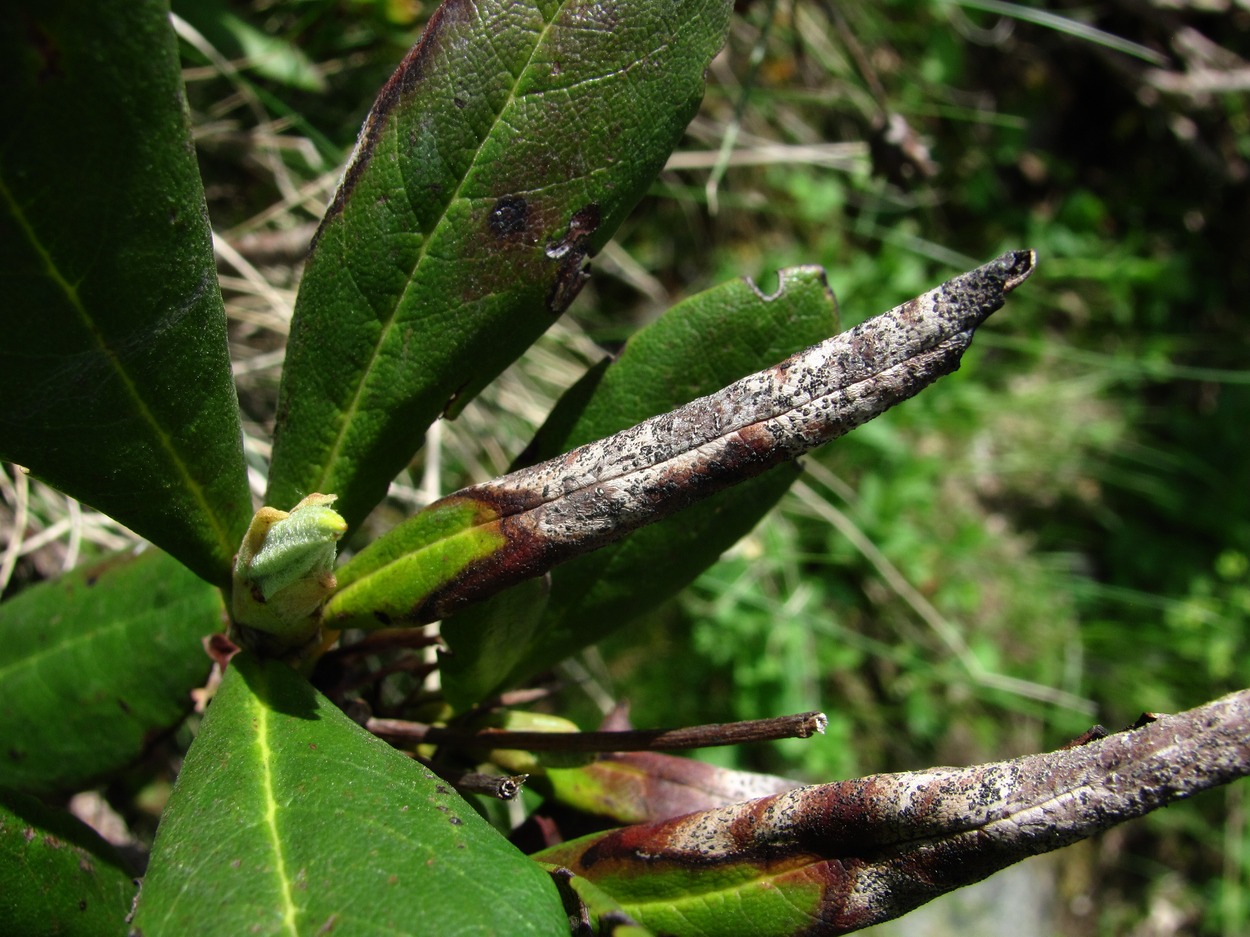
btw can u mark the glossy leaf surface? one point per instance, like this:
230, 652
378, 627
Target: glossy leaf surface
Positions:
506, 149
115, 383
96, 663
57, 876
289, 818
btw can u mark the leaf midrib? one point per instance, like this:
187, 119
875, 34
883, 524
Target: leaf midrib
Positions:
347, 416
70, 291
265, 758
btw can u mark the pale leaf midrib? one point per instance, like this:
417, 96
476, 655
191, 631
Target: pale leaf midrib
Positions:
70, 291
347, 416
265, 754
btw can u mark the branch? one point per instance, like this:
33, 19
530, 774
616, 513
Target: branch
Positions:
800, 726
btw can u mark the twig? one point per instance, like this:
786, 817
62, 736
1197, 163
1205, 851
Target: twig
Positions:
499, 786
800, 726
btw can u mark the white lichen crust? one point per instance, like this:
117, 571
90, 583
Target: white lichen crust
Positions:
605, 488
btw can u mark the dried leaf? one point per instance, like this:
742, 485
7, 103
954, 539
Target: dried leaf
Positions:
834, 858
522, 524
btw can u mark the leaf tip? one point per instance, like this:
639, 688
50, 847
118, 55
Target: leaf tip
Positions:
1019, 267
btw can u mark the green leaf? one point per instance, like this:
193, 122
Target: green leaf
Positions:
95, 663
507, 148
115, 380
424, 553
698, 347
57, 876
238, 41
289, 818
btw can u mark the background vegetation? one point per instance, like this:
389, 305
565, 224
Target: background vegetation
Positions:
1057, 535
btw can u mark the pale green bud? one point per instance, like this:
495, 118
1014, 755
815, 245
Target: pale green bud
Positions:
284, 572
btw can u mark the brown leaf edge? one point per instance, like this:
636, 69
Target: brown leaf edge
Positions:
880, 846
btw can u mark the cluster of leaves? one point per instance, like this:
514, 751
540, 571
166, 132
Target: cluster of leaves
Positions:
462, 226
766, 667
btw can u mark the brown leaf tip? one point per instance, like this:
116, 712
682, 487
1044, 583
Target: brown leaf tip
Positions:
1018, 267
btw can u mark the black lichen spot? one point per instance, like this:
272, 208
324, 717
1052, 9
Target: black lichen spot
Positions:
509, 217
459, 102
455, 821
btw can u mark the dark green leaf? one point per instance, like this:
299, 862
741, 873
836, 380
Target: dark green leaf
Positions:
57, 876
698, 347
506, 149
97, 662
290, 818
115, 382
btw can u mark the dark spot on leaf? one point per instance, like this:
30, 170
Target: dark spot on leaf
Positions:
459, 102
16, 754
52, 842
82, 905
29, 833
441, 789
236, 863
509, 217
584, 223
455, 821
383, 618
570, 253
125, 707
570, 278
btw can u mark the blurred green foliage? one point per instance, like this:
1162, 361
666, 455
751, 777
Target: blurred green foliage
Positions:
1058, 534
